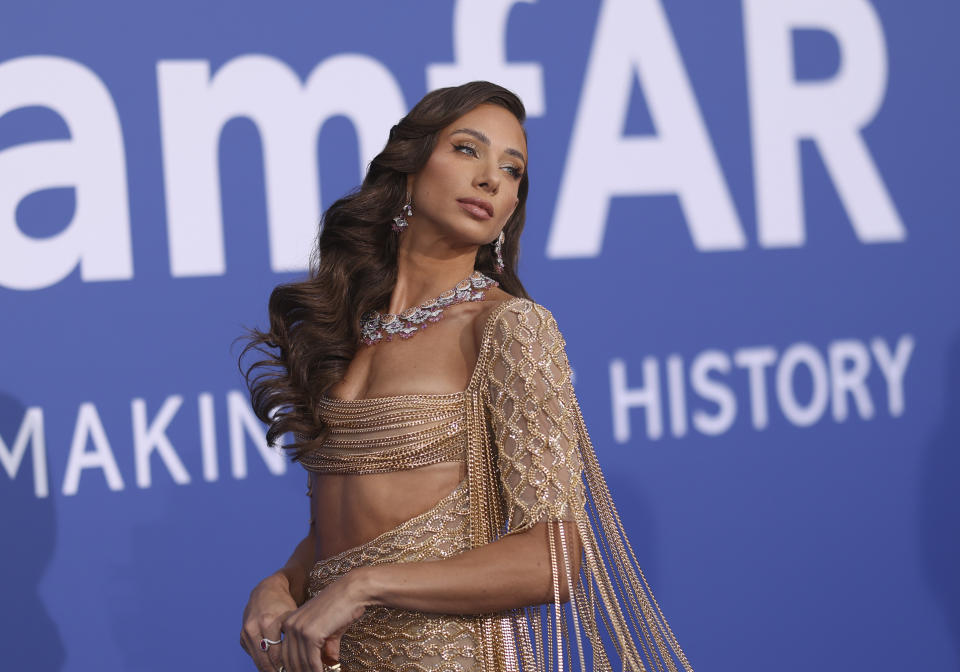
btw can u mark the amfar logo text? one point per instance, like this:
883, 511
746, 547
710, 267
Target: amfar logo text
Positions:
633, 40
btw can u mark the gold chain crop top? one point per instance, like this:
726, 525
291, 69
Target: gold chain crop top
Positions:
383, 434
529, 459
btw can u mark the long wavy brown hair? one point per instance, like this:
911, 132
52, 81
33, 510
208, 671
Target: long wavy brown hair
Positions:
315, 323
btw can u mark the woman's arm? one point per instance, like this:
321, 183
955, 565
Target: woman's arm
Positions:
293, 575
275, 597
272, 600
513, 571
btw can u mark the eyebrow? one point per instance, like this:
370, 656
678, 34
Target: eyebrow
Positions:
482, 137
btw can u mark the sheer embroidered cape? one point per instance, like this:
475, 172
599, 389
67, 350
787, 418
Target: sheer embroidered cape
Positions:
529, 460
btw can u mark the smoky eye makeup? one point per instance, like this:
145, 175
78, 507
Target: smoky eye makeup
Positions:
460, 146
470, 149
515, 171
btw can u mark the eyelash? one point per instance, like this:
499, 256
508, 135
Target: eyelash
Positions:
514, 172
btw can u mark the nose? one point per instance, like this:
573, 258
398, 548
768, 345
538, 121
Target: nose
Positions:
487, 178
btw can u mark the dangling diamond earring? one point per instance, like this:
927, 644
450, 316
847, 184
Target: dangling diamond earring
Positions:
400, 221
497, 254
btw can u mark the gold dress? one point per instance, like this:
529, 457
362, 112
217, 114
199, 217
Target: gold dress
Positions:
519, 429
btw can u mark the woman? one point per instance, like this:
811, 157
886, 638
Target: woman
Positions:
454, 490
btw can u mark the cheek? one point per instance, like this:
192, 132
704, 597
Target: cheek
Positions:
435, 180
511, 202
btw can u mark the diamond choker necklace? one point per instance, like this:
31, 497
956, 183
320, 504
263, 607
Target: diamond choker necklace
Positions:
375, 327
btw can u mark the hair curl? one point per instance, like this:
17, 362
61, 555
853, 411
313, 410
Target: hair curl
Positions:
314, 328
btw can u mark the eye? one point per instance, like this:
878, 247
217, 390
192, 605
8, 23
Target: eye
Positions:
515, 172
466, 148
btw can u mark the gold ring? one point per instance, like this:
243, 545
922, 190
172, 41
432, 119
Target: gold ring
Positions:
333, 668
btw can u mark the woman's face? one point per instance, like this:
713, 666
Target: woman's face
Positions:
468, 188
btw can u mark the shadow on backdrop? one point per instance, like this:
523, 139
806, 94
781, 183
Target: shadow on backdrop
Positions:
28, 529
940, 503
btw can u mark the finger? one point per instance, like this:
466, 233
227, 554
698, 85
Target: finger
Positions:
262, 660
250, 638
262, 657
331, 650
270, 627
275, 656
303, 655
246, 639
315, 657
289, 650
285, 653
253, 650
304, 658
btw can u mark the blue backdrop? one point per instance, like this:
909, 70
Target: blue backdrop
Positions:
742, 214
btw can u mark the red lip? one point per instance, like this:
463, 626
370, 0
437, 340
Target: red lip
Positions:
478, 202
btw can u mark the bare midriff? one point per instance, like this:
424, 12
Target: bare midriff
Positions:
352, 509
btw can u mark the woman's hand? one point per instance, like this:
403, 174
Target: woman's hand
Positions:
312, 632
270, 602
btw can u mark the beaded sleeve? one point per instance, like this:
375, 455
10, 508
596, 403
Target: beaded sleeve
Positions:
533, 421
547, 471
